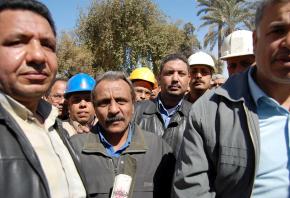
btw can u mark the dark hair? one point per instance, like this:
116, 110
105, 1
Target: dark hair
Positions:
172, 57
53, 82
30, 5
261, 7
113, 76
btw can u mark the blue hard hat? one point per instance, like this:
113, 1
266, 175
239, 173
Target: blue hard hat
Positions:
80, 82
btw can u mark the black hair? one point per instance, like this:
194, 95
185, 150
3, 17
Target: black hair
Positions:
30, 5
172, 57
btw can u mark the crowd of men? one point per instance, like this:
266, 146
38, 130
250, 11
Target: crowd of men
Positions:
186, 132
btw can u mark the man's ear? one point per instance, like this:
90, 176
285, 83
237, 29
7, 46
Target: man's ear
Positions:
255, 38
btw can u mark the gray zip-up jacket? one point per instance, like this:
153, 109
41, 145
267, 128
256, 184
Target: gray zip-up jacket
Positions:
220, 150
148, 160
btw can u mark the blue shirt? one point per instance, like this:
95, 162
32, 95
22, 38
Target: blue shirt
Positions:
272, 177
167, 113
110, 148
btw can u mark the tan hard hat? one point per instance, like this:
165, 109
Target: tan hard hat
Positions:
201, 58
238, 43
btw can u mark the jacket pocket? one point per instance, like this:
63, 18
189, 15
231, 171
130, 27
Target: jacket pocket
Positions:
233, 156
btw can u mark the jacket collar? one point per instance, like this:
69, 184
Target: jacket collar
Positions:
152, 107
236, 89
94, 145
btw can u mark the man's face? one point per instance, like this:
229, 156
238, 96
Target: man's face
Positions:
218, 82
80, 107
27, 53
200, 78
239, 64
174, 78
143, 89
113, 105
56, 95
272, 46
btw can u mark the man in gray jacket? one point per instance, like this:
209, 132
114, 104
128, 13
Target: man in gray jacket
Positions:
117, 147
236, 143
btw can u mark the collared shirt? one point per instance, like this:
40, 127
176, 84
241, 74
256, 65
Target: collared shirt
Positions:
272, 177
167, 113
74, 127
110, 148
56, 162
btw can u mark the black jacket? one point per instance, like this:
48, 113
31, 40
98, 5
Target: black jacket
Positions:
148, 117
21, 174
148, 160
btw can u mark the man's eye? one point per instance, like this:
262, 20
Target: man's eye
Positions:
49, 45
277, 31
13, 43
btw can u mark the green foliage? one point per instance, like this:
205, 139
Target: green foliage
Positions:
72, 56
123, 34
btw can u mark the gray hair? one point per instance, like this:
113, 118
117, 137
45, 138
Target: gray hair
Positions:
218, 76
113, 76
261, 8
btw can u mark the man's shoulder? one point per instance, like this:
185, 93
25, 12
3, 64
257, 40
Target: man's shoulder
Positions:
78, 140
145, 104
154, 141
185, 106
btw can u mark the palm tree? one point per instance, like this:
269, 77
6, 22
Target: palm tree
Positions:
251, 6
222, 17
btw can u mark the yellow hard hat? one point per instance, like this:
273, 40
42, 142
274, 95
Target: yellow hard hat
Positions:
142, 73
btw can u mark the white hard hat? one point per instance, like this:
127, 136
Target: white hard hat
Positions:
201, 58
238, 43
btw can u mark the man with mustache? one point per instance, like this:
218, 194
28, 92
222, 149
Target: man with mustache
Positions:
80, 107
118, 153
35, 157
167, 114
201, 70
236, 143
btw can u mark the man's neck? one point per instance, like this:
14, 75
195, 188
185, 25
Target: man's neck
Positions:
195, 94
170, 102
117, 140
278, 91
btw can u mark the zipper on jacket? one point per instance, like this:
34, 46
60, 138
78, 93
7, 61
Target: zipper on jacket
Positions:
254, 145
115, 168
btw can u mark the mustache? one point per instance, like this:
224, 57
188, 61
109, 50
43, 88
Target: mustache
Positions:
283, 54
114, 119
198, 81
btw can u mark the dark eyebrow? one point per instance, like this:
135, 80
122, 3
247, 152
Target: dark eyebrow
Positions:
277, 24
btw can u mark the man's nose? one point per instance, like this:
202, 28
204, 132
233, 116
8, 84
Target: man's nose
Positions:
83, 103
35, 53
175, 76
113, 108
286, 41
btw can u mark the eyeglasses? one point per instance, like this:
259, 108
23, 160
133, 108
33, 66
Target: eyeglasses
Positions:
57, 97
203, 71
243, 63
